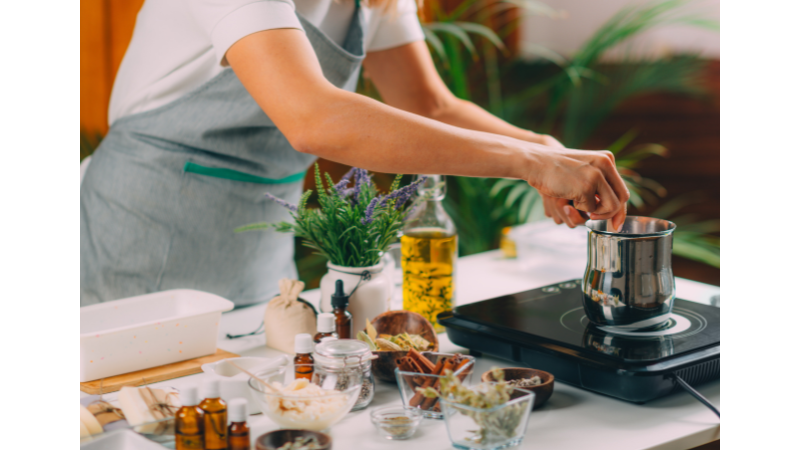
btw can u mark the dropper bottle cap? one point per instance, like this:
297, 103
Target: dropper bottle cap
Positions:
339, 299
326, 323
303, 343
211, 388
237, 410
188, 396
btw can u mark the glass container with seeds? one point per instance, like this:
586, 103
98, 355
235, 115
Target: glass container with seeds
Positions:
336, 360
396, 422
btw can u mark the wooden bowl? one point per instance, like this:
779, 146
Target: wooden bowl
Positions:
542, 391
275, 439
396, 322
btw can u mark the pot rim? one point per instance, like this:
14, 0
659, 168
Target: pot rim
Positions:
377, 268
592, 225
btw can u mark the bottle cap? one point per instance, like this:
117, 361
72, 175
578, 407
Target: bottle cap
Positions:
303, 343
326, 323
211, 388
339, 299
188, 396
237, 410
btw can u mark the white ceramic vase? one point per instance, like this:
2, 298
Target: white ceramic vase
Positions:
370, 299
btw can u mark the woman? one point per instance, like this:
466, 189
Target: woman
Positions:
220, 101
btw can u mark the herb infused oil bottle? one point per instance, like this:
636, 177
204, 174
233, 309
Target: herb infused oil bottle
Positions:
429, 248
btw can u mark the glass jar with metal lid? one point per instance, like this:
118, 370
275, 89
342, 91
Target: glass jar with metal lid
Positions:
335, 359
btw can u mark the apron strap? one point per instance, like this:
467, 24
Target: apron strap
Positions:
230, 174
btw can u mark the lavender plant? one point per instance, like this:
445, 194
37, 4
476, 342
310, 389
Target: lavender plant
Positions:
354, 224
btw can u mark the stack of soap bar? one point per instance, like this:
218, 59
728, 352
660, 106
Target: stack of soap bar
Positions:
89, 424
140, 406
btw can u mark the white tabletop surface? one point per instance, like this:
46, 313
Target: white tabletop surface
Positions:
571, 419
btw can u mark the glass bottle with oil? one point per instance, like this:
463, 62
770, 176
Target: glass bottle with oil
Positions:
429, 247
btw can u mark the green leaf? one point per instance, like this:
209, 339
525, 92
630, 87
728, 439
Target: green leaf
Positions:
482, 30
254, 226
455, 31
436, 43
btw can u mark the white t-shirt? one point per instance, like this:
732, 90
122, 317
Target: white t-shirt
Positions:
178, 45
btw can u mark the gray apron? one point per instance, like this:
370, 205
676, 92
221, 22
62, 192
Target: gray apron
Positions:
168, 186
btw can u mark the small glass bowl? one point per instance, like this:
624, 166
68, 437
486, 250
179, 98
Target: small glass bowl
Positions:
488, 429
396, 422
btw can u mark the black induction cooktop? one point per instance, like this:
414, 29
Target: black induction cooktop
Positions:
547, 329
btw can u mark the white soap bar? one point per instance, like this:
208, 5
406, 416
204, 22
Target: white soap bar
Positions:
133, 405
90, 421
84, 431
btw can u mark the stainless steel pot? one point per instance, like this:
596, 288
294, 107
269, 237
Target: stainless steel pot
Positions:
628, 281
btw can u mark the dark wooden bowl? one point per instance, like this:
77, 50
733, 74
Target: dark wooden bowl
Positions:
542, 391
396, 322
275, 439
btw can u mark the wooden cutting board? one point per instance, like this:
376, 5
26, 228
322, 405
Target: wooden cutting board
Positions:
154, 374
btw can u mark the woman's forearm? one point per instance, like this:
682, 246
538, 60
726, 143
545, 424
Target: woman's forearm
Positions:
465, 114
357, 130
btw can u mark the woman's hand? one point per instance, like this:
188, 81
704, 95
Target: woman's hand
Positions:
588, 178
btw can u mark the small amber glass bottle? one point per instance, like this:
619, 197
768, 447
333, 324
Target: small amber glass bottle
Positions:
326, 324
304, 362
238, 431
342, 317
189, 422
215, 425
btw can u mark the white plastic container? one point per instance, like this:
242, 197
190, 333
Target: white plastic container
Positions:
149, 330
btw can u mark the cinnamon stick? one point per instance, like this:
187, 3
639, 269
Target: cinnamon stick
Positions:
427, 403
425, 364
428, 382
406, 364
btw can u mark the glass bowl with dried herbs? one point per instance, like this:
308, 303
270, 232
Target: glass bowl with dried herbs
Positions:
488, 416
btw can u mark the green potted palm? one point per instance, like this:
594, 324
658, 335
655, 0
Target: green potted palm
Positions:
352, 229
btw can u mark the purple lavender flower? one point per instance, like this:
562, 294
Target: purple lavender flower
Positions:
340, 186
362, 178
403, 194
370, 211
281, 202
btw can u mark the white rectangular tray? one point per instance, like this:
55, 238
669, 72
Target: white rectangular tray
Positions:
150, 330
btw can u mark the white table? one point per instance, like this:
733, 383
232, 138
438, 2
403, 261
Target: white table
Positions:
571, 419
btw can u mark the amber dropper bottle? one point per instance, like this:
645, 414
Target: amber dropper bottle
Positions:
189, 422
238, 431
215, 425
303, 361
342, 316
326, 324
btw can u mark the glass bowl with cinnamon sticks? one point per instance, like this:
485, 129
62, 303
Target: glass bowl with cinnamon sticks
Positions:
425, 369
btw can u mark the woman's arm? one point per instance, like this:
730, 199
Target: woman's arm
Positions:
282, 73
406, 78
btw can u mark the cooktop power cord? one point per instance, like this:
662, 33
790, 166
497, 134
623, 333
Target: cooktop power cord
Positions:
695, 394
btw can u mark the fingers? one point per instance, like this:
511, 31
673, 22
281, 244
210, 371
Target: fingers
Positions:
574, 216
551, 209
609, 169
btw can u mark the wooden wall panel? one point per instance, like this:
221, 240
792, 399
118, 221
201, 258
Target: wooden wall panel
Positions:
106, 30
95, 85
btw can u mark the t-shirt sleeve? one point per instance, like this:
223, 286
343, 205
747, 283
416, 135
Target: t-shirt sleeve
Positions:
227, 21
396, 29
